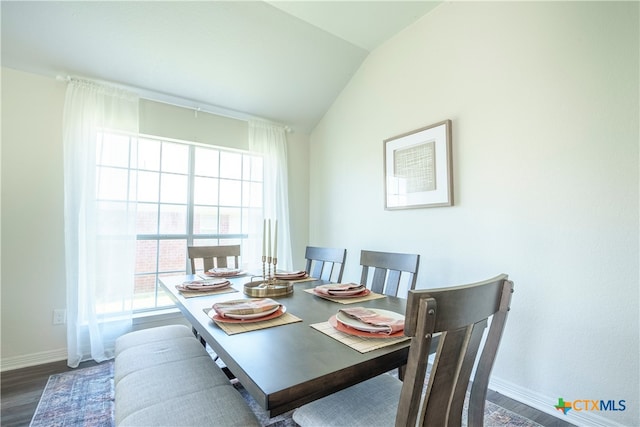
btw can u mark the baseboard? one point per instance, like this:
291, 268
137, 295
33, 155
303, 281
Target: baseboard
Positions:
143, 321
159, 318
34, 359
545, 404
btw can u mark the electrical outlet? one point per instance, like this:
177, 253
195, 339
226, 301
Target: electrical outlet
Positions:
59, 316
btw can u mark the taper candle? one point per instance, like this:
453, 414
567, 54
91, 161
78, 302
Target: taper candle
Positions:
269, 244
264, 238
275, 241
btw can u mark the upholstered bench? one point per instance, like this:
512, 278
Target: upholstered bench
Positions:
165, 377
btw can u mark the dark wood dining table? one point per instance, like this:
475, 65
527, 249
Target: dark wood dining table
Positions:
286, 366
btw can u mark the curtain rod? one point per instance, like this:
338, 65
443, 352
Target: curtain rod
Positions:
181, 102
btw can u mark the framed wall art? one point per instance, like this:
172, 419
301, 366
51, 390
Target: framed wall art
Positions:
417, 168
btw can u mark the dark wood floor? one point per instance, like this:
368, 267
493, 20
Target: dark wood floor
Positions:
21, 390
526, 410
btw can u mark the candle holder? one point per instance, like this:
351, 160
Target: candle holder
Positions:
269, 285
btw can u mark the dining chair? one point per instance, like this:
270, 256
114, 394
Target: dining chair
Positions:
457, 317
388, 270
322, 263
213, 256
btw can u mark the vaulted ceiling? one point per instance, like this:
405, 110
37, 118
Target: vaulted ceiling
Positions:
284, 61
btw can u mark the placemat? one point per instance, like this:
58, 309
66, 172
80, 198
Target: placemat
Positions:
191, 294
372, 295
306, 279
361, 344
235, 276
238, 328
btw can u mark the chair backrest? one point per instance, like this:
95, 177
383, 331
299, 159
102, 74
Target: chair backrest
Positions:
325, 263
388, 269
460, 314
213, 256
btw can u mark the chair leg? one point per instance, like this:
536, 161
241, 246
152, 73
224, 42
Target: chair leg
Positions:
401, 371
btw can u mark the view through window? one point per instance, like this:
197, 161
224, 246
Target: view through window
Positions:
187, 193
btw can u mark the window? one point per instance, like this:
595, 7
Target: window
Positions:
187, 194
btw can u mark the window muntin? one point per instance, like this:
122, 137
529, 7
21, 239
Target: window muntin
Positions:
186, 194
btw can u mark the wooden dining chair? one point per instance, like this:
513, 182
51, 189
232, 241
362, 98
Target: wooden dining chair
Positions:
213, 256
458, 317
325, 263
388, 270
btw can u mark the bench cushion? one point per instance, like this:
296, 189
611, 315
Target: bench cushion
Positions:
165, 377
157, 353
150, 335
217, 406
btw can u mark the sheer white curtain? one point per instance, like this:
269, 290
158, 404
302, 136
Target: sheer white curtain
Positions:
100, 210
271, 141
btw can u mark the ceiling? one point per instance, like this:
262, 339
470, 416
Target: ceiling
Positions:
285, 61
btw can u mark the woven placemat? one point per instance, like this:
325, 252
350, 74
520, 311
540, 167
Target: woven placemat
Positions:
361, 344
192, 294
371, 296
306, 279
238, 328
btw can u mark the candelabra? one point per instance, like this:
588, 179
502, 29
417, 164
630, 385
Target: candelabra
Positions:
269, 285
269, 278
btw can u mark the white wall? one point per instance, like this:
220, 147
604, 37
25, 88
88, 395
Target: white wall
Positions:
544, 102
33, 275
33, 271
170, 121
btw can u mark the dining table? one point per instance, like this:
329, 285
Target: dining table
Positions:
288, 365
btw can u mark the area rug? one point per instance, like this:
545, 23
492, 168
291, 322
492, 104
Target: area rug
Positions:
84, 397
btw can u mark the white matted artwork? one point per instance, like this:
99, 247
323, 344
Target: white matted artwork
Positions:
417, 168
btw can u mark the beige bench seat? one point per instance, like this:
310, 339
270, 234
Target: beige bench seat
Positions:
165, 377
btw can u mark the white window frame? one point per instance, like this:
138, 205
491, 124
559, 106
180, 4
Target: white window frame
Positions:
160, 300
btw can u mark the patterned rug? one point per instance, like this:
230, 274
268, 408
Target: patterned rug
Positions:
84, 397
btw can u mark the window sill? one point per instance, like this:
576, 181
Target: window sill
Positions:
169, 315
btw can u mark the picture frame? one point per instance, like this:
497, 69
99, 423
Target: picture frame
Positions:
418, 168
